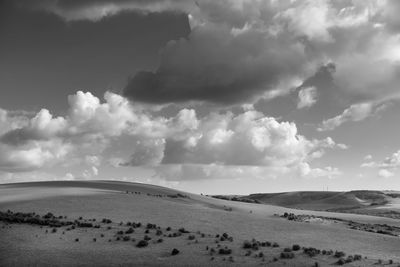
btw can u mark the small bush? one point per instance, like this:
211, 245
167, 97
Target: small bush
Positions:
129, 231
311, 251
76, 239
168, 228
147, 238
191, 237
94, 239
183, 230
341, 262
287, 255
142, 244
225, 251
54, 230
175, 252
247, 245
126, 238
339, 254
357, 257
287, 250
275, 245
159, 232
296, 247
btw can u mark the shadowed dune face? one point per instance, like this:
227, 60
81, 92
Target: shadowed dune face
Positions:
147, 203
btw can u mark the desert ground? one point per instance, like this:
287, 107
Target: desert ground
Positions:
105, 223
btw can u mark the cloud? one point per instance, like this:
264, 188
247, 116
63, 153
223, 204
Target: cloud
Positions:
387, 167
368, 157
240, 51
307, 97
247, 139
356, 112
31, 143
385, 173
192, 172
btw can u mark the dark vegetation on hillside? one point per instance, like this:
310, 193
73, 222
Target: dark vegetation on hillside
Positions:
384, 229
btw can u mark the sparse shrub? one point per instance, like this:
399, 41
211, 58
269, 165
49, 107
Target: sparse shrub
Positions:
94, 239
287, 250
168, 228
126, 238
349, 259
248, 253
287, 255
142, 244
76, 239
159, 232
54, 230
339, 254
357, 257
225, 251
191, 237
120, 232
183, 230
129, 231
160, 240
296, 247
275, 259
151, 226
147, 238
341, 261
316, 264
175, 252
147, 231
260, 254
102, 235
275, 245
311, 251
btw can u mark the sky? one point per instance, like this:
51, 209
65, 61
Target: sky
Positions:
213, 97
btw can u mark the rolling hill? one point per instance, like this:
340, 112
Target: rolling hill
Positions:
77, 230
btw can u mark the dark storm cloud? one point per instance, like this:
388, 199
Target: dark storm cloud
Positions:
49, 58
214, 64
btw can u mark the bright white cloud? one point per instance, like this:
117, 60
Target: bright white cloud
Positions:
221, 139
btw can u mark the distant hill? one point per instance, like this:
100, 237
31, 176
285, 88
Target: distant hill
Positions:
352, 201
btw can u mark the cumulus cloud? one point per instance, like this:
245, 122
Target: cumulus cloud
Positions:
356, 112
387, 167
307, 97
31, 143
223, 139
